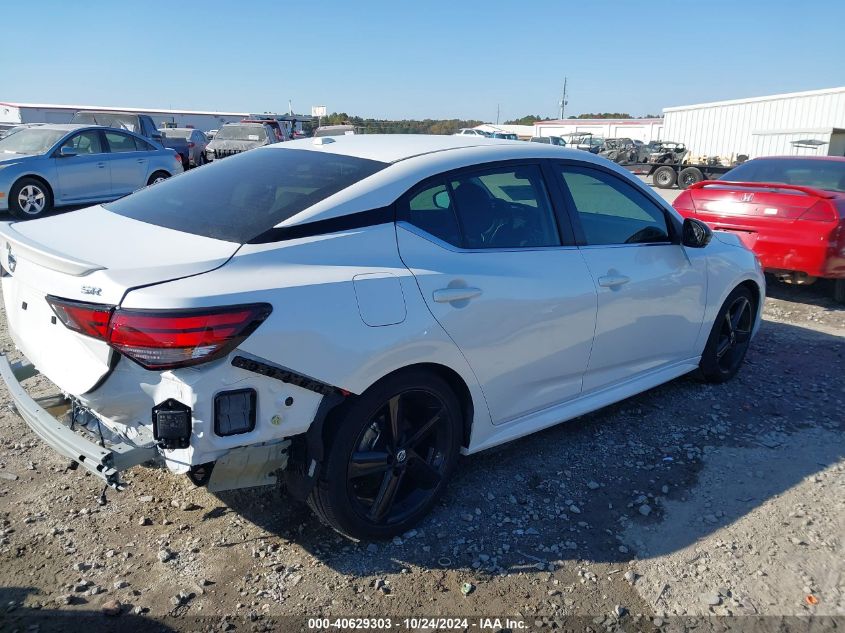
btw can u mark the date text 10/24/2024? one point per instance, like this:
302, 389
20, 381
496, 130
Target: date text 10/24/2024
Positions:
416, 623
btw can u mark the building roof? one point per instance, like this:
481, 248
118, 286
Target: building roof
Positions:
75, 108
785, 95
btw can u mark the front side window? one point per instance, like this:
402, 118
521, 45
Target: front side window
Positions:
504, 208
241, 197
120, 142
85, 143
611, 211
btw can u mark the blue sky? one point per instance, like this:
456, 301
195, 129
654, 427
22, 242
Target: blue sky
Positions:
431, 58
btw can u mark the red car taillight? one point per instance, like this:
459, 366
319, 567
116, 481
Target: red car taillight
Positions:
822, 211
164, 339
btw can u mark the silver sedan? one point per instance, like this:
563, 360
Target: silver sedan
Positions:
60, 165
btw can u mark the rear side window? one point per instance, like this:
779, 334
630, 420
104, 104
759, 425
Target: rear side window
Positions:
120, 142
611, 211
240, 198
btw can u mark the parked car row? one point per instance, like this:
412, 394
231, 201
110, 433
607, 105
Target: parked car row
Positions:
49, 166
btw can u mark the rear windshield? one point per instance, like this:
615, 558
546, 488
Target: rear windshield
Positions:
175, 133
241, 133
241, 197
109, 119
822, 174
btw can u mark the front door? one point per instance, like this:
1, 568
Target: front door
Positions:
505, 283
86, 175
651, 290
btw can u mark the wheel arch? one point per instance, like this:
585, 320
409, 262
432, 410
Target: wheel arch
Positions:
40, 179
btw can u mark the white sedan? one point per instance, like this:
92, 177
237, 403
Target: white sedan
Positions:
351, 313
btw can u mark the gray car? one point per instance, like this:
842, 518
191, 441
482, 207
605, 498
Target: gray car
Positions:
188, 140
59, 165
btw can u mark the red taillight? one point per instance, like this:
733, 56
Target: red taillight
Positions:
91, 319
164, 339
822, 211
684, 204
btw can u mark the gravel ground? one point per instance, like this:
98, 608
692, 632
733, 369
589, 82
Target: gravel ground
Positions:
687, 500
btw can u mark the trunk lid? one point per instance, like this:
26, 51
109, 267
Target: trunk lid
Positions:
93, 256
749, 208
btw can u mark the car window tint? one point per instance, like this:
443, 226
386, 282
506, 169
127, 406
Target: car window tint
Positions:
240, 198
432, 211
120, 142
143, 146
613, 212
85, 143
504, 208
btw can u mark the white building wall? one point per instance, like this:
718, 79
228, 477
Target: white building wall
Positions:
759, 126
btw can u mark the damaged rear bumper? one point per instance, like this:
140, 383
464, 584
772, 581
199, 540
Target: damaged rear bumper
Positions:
106, 462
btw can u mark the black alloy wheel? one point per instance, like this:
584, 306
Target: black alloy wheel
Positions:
393, 451
730, 337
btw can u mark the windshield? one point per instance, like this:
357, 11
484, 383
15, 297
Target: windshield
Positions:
240, 198
175, 133
123, 121
36, 140
821, 174
241, 133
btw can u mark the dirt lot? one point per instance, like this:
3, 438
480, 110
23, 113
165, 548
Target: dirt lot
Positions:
687, 500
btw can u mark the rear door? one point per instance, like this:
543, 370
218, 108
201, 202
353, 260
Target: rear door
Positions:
128, 164
504, 281
87, 175
651, 290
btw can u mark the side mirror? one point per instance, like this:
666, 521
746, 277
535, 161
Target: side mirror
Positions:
67, 151
696, 234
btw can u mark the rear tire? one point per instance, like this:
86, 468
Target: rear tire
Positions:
730, 337
839, 290
689, 176
158, 176
30, 198
664, 177
373, 485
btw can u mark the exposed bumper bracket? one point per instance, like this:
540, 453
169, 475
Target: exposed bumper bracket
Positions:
104, 462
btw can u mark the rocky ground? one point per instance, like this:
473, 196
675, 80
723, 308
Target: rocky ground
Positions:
684, 501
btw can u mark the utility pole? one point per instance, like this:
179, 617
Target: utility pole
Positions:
563, 100
497, 114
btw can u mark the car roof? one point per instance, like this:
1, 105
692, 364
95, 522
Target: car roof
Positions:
67, 127
391, 148
413, 158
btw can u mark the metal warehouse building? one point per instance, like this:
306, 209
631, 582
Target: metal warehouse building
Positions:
798, 123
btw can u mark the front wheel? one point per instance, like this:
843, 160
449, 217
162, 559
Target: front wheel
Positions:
839, 290
29, 198
393, 451
730, 337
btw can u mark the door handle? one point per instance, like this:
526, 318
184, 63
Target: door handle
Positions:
448, 295
142, 160
101, 165
613, 281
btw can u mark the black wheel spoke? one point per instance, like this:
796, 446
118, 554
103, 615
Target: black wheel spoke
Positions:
423, 473
394, 418
364, 463
386, 495
742, 336
723, 347
424, 430
739, 311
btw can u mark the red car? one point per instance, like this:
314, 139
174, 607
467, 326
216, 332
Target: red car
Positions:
789, 210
